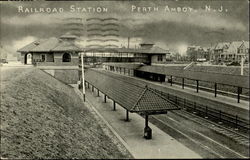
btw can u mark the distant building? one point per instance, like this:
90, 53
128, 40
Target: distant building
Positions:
244, 50
57, 56
174, 56
3, 55
197, 53
231, 51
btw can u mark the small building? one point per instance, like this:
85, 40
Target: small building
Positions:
57, 56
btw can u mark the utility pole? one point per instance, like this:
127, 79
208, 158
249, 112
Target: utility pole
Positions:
83, 79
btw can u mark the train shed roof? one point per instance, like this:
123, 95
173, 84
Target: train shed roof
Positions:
201, 75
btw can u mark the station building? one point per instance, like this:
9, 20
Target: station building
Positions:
56, 56
60, 57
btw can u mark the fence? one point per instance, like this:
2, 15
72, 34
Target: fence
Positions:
226, 90
216, 87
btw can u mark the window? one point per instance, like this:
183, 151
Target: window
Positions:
50, 57
160, 58
66, 57
43, 57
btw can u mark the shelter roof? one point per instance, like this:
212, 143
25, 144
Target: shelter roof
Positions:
131, 96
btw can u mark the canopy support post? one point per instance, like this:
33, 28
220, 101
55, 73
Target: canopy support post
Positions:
239, 92
146, 120
105, 98
171, 80
147, 129
114, 106
127, 116
197, 86
182, 83
215, 90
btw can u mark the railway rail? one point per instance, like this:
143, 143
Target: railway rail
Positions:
242, 139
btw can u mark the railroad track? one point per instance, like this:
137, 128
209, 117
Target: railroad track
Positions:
207, 145
236, 136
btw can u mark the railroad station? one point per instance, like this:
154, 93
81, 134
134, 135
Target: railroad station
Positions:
137, 85
138, 81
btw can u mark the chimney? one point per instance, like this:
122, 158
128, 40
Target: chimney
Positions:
128, 41
146, 45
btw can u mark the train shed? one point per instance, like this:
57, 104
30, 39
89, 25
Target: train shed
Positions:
132, 97
159, 73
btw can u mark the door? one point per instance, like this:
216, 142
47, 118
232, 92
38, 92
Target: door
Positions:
29, 58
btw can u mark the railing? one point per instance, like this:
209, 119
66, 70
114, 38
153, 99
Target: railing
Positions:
211, 90
241, 92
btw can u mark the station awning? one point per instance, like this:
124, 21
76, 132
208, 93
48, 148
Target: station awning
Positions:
132, 97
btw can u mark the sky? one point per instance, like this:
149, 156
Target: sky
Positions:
195, 24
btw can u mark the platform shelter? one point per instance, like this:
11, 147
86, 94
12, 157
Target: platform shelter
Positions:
132, 97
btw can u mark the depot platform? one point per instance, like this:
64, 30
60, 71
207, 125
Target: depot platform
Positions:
160, 146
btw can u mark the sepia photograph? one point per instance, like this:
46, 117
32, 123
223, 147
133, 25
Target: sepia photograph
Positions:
124, 79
